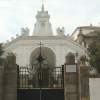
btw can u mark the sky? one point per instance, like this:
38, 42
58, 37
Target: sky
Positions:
70, 14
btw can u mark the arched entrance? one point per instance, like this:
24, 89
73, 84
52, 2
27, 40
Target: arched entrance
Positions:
50, 59
46, 52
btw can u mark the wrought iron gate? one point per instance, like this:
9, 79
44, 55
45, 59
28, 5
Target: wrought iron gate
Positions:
51, 82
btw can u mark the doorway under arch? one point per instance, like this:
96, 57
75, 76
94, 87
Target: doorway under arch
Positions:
47, 53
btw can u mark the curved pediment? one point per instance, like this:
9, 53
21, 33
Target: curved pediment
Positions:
42, 14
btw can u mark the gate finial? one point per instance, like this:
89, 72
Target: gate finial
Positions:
70, 58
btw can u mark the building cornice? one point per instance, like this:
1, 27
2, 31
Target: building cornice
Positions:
85, 27
31, 40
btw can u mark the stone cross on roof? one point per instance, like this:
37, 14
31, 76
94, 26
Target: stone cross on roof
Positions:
42, 1
42, 6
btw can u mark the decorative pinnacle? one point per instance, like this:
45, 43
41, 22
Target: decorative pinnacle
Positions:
90, 24
42, 7
80, 31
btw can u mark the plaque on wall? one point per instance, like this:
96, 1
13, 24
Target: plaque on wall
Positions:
70, 68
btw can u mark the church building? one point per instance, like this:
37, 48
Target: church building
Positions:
55, 48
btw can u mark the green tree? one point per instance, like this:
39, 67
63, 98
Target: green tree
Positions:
2, 61
94, 51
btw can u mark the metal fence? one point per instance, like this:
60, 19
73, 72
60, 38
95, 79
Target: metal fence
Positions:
50, 78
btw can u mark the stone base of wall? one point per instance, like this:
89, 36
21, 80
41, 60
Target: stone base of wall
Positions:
71, 87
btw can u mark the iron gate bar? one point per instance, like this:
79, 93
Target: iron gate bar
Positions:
63, 80
17, 80
40, 60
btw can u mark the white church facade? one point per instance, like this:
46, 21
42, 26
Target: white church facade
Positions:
55, 48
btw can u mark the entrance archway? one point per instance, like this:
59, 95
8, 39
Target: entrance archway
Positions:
46, 52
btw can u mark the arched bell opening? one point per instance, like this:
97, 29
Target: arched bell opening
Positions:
42, 30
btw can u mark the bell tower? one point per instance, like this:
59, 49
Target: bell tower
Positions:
42, 27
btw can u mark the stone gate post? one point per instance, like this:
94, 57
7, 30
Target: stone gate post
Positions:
83, 79
71, 78
10, 78
1, 83
88, 90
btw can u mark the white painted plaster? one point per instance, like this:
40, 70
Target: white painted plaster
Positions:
94, 86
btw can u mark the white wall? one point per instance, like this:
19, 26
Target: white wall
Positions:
94, 86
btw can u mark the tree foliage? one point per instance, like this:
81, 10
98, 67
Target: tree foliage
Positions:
94, 50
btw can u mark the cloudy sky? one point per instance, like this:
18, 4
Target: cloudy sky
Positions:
70, 14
